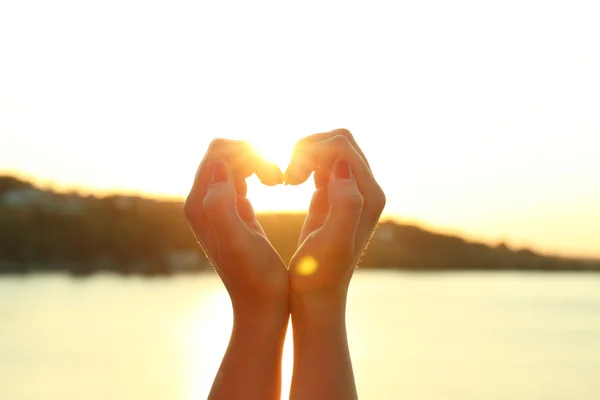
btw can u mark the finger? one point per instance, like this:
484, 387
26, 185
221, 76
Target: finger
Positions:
318, 137
247, 214
320, 155
243, 161
323, 155
220, 207
345, 209
317, 213
321, 176
241, 187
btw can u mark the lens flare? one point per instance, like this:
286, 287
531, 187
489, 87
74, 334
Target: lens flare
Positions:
307, 266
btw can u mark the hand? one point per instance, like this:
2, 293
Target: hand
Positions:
343, 213
224, 223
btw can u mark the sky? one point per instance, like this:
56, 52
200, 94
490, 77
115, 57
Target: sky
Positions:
478, 118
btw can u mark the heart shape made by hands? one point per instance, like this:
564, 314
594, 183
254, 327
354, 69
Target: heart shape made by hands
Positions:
289, 195
279, 198
281, 210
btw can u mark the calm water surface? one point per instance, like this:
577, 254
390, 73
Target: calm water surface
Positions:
412, 336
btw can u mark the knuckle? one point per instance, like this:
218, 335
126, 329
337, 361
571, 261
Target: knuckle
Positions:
341, 141
235, 152
343, 132
300, 145
379, 200
218, 144
190, 209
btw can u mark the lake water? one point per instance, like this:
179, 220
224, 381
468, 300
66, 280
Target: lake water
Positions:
412, 335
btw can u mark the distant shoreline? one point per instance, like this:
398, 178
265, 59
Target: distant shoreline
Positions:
20, 272
42, 230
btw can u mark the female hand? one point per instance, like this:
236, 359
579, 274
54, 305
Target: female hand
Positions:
343, 213
224, 223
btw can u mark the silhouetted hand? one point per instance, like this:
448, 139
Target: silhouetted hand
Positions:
343, 213
224, 223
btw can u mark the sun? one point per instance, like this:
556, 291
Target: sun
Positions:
279, 198
277, 149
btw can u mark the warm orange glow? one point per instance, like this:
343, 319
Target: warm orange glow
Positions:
307, 266
497, 143
276, 149
205, 334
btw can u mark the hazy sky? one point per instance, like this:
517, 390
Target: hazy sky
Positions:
478, 117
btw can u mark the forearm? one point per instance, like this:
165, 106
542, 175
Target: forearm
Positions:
322, 364
251, 367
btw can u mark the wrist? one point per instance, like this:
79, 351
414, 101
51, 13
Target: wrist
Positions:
319, 308
261, 315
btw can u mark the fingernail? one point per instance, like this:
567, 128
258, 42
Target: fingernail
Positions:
343, 170
219, 173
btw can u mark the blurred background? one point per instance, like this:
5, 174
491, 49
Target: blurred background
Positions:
479, 119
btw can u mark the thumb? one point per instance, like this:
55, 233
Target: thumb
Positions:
220, 207
345, 207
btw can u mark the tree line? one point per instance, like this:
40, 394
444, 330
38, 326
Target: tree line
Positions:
41, 230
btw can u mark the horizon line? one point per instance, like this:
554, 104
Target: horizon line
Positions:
83, 191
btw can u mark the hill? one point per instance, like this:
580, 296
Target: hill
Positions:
41, 230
